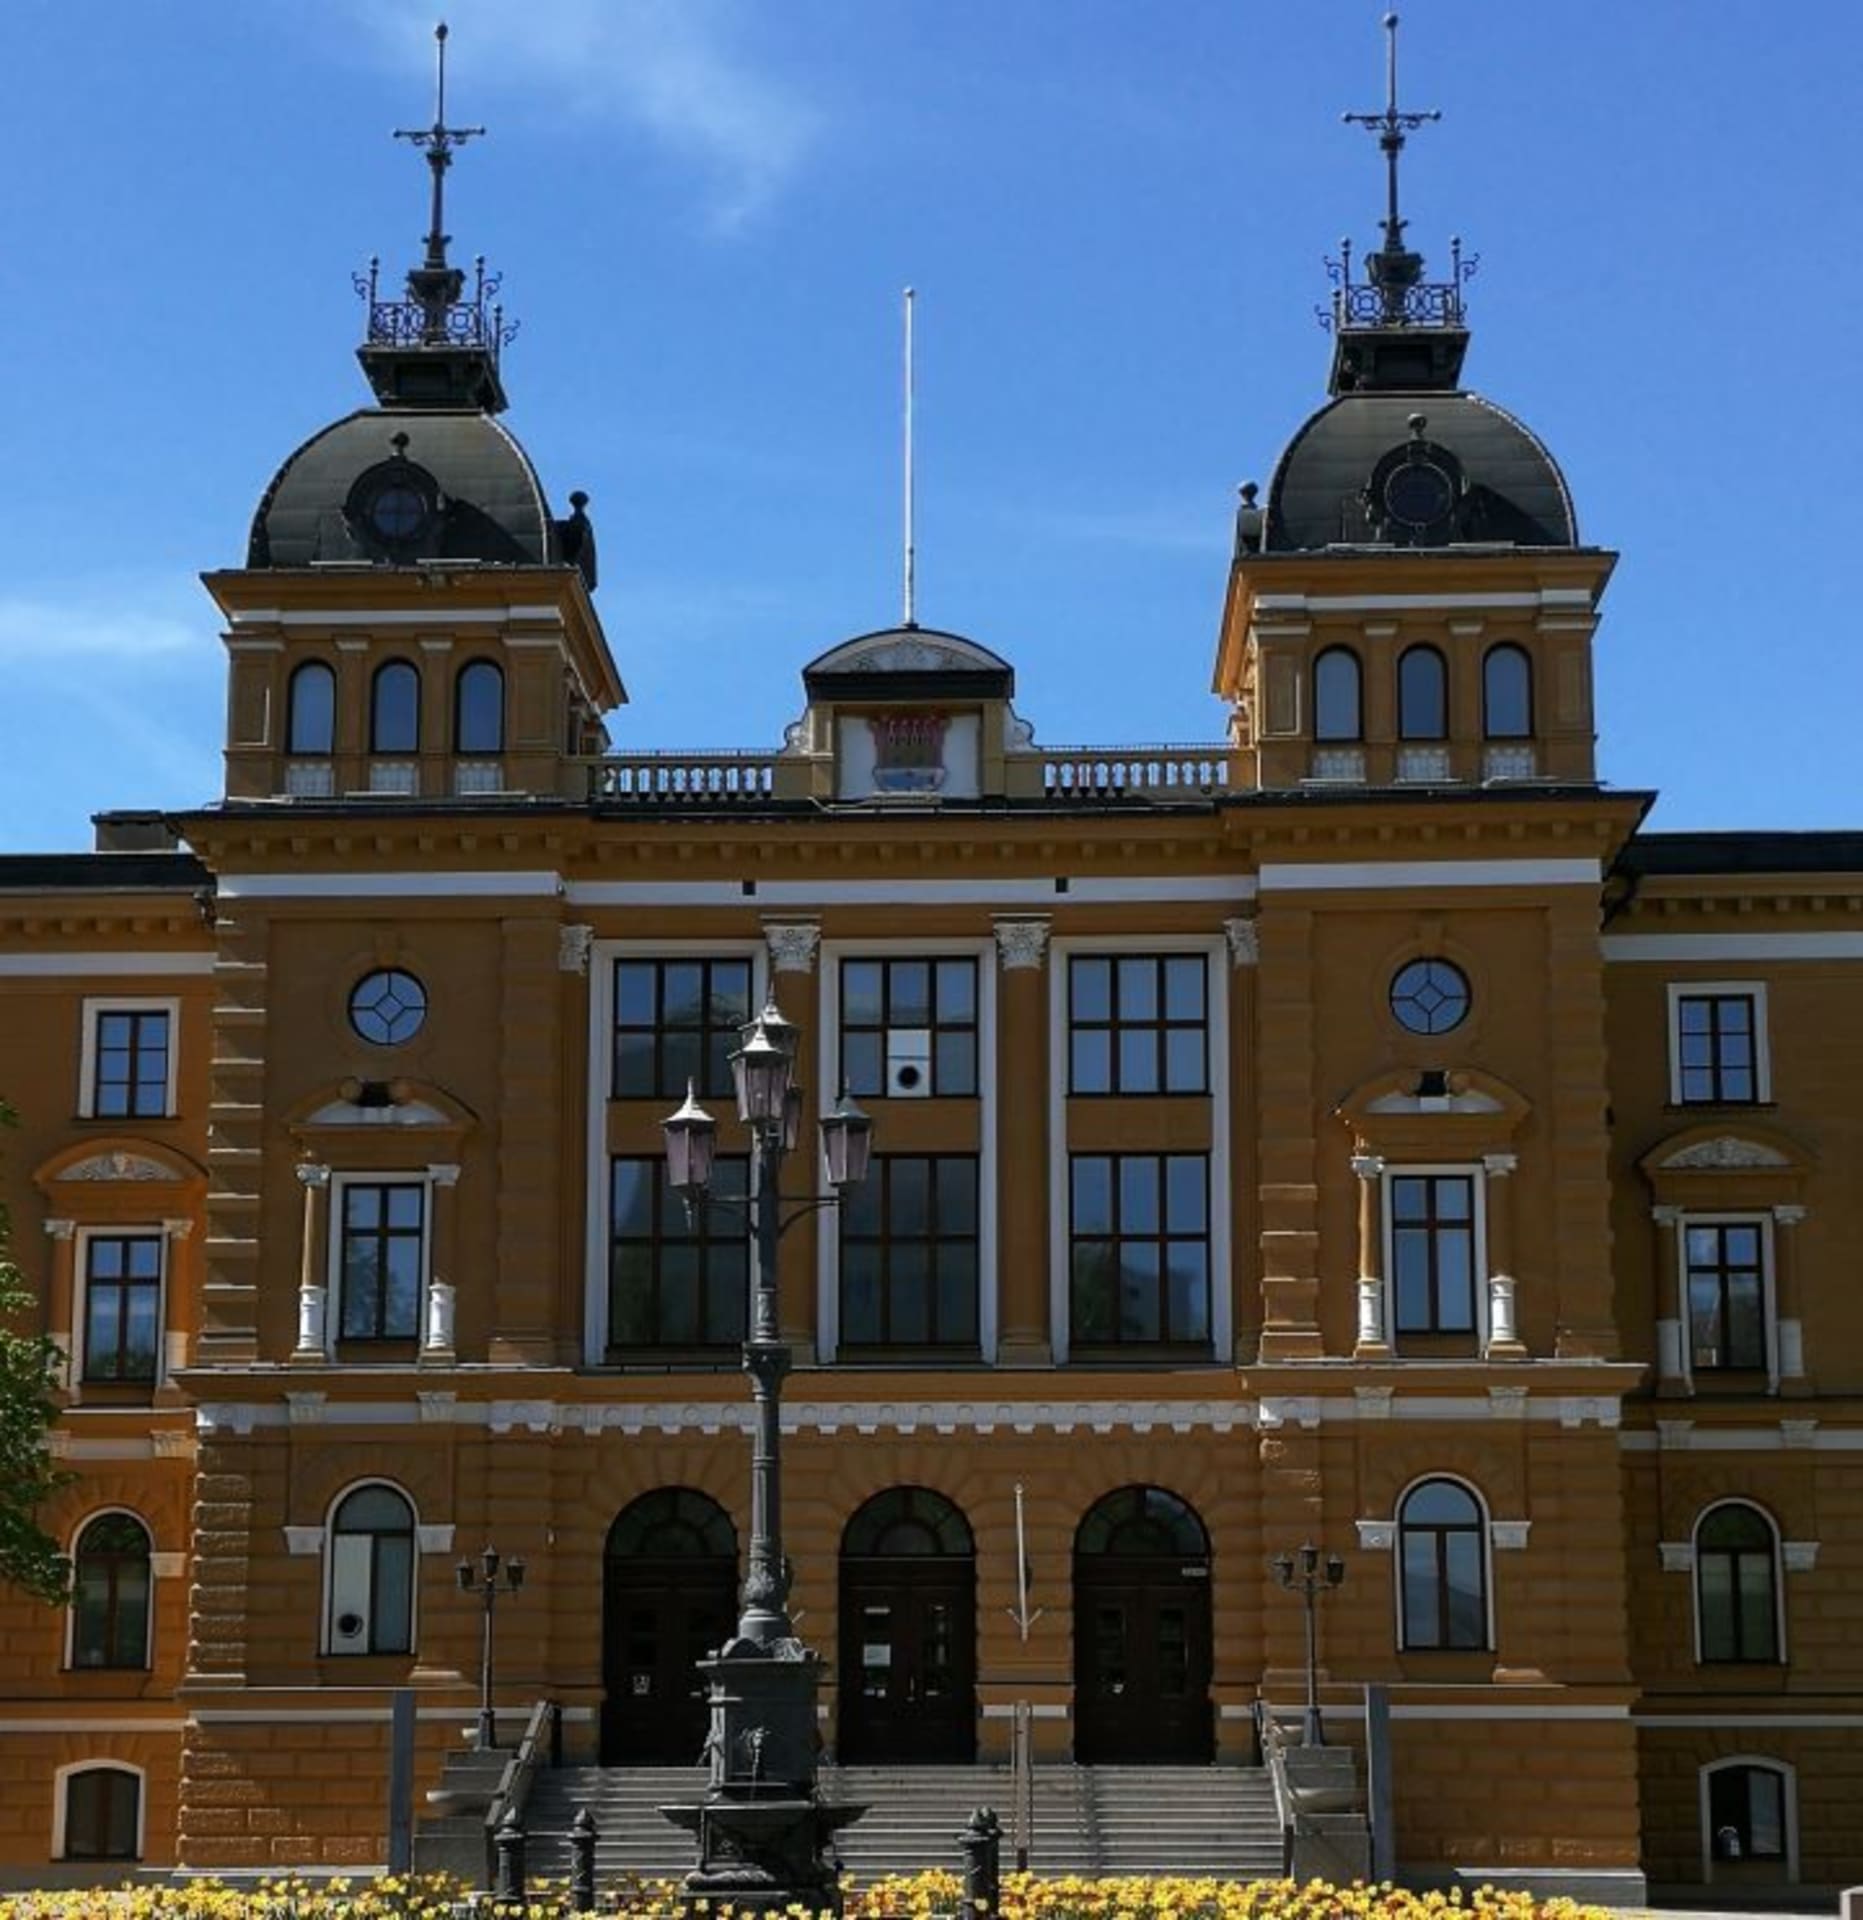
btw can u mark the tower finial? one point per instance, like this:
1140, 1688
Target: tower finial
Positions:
1391, 126
437, 143
910, 531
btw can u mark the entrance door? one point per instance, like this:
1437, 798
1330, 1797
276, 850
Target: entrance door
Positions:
669, 1599
1142, 1650
908, 1666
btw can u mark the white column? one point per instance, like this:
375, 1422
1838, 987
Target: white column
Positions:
1672, 1375
1372, 1339
1790, 1347
1503, 1320
440, 1300
62, 1303
312, 1296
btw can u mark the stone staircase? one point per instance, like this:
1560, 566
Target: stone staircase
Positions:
1218, 1822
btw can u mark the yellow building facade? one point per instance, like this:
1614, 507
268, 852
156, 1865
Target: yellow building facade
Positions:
1353, 1131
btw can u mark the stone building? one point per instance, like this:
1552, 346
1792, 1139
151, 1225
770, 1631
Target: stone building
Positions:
1356, 1130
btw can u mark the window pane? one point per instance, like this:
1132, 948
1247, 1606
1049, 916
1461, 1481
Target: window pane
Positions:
1139, 1302
954, 1063
909, 1292
1422, 695
1189, 1302
909, 1195
1093, 1284
682, 991
1138, 1194
1468, 1625
1765, 1797
1335, 695
1092, 1061
957, 1293
1422, 1592
311, 727
727, 1299
860, 993
1409, 1198
1507, 694
1093, 1194
402, 1311
1715, 1588
396, 721
405, 1208
682, 1058
860, 1295
1454, 1199
636, 1003
1410, 1246
1184, 979
1758, 1622
1183, 1060
630, 1300
1185, 1192
679, 1294
1092, 986
140, 1334
730, 994
634, 1075
957, 1197
393, 1595
957, 992
1693, 1016
1441, 1503
1746, 1323
910, 985
1138, 989
863, 1062
481, 709
1138, 1060
1455, 1281
634, 1181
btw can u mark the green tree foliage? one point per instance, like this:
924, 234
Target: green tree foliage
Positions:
29, 1362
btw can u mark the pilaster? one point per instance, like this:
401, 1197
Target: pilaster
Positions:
1289, 1191
1022, 1069
229, 1329
515, 1295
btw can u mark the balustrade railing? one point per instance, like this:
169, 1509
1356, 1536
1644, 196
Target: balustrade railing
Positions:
671, 778
1150, 772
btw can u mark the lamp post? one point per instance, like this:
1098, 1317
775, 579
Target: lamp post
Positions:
483, 1580
1308, 1575
762, 1827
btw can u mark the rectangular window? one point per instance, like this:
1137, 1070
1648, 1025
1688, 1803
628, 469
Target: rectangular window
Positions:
1746, 1813
1433, 1251
1718, 1051
129, 1060
909, 1028
674, 1282
1725, 1278
1139, 1249
1138, 1024
122, 1307
677, 1021
381, 1258
909, 1253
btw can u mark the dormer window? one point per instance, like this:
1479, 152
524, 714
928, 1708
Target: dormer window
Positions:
392, 506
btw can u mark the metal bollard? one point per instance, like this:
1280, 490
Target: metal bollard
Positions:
508, 1843
582, 1839
982, 1844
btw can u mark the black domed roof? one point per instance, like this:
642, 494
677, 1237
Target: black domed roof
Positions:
404, 485
1506, 488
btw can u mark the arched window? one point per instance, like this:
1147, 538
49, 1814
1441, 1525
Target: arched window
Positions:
394, 709
371, 1573
907, 1521
1422, 695
310, 726
100, 1813
1143, 1521
1747, 1807
673, 1523
479, 709
1507, 693
110, 1593
1737, 1584
1442, 1564
1338, 709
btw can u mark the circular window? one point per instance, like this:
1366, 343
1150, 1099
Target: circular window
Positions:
1430, 996
388, 1007
398, 511
1418, 494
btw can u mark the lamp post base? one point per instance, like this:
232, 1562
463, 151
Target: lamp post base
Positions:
766, 1837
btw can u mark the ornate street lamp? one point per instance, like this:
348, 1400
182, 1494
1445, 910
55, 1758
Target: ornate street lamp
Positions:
1311, 1578
483, 1580
764, 1831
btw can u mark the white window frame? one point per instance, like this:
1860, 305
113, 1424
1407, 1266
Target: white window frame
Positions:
1773, 1764
1753, 990
1477, 1174
599, 1089
1778, 1578
1487, 1564
325, 1624
61, 1779
340, 1183
95, 1007
828, 960
1061, 952
81, 1305
1769, 1287
71, 1608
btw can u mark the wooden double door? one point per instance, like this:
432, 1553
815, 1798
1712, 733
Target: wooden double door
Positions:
660, 1618
1142, 1660
908, 1666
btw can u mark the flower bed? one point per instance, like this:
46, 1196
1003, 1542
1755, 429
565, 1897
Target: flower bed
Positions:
919, 1896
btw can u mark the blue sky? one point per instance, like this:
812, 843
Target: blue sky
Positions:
1114, 212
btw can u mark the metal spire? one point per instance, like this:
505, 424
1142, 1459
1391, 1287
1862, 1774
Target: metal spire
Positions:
438, 142
1391, 126
911, 545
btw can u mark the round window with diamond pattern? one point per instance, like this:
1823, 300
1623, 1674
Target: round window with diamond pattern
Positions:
1430, 996
388, 1007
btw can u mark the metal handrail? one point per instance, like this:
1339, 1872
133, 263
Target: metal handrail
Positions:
541, 1744
1273, 1750
1022, 1782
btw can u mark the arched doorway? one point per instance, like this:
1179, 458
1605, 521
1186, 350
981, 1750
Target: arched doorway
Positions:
669, 1598
908, 1631
1142, 1631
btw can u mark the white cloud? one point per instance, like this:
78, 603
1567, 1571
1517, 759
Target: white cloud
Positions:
42, 633
674, 68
